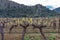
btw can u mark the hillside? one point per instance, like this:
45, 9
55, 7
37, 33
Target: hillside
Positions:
57, 10
14, 9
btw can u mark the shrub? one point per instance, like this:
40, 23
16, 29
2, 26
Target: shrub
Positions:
52, 37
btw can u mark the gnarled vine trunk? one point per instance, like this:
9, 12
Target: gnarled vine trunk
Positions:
23, 34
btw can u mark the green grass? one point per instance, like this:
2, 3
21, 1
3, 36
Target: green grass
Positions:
52, 37
29, 37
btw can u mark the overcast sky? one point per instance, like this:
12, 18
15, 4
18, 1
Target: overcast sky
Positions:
53, 3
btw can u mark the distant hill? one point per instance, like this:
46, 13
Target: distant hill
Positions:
57, 10
20, 10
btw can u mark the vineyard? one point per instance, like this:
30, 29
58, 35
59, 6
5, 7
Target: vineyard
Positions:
30, 28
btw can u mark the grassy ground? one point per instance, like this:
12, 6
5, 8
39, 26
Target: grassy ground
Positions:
31, 36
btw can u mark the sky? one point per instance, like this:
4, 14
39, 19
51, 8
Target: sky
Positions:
53, 3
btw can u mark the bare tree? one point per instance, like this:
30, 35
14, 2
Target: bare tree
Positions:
13, 25
40, 27
1, 31
25, 24
2, 26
